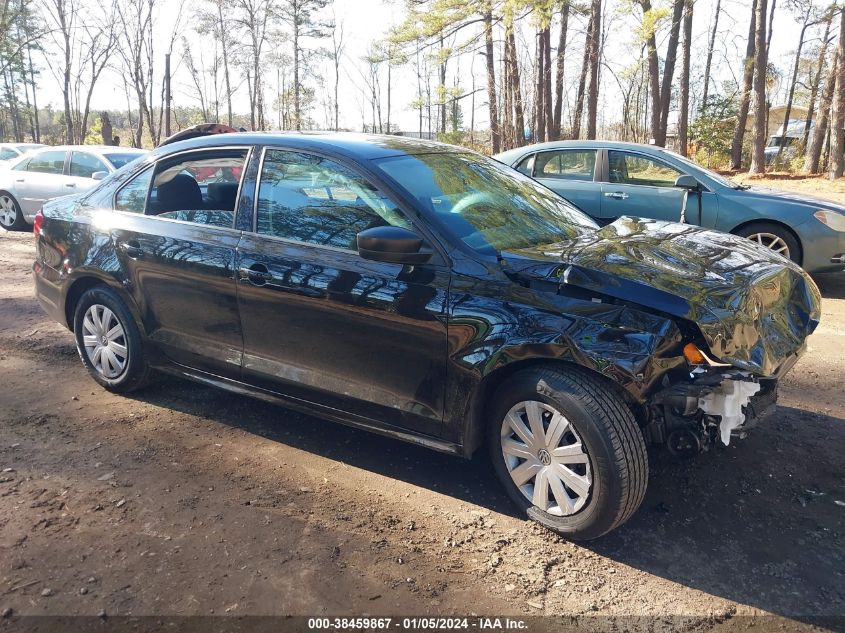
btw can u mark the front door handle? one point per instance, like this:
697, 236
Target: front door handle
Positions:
20, 179
257, 274
616, 195
132, 249
70, 184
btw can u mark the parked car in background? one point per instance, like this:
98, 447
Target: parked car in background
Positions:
432, 295
607, 180
11, 151
51, 172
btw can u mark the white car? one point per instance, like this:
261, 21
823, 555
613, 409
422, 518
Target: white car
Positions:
13, 151
51, 172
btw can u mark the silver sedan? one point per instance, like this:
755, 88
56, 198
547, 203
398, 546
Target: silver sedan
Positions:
30, 181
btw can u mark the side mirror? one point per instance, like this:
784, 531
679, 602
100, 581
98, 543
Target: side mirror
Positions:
685, 181
392, 244
99, 175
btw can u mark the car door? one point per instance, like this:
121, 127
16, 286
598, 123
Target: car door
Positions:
571, 174
177, 248
81, 169
39, 179
641, 186
320, 323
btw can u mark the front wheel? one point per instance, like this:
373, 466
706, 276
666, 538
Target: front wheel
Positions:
109, 342
775, 238
568, 451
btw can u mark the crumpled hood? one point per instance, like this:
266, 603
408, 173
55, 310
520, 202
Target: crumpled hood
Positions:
754, 308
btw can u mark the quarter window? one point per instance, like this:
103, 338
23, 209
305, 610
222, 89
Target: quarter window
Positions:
7, 153
570, 164
84, 165
311, 199
634, 169
526, 165
47, 163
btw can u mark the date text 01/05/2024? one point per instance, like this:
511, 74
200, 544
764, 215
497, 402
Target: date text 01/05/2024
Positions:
421, 623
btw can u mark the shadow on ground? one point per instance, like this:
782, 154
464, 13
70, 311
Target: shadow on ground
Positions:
832, 285
754, 523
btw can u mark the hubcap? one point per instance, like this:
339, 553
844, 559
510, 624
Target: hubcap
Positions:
105, 341
546, 458
771, 241
8, 213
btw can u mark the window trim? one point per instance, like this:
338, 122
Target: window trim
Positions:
596, 162
153, 164
439, 257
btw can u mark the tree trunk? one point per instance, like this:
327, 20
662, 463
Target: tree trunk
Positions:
559, 68
582, 83
791, 90
745, 98
495, 135
540, 91
669, 72
519, 120
593, 92
547, 84
296, 86
711, 44
758, 158
814, 151
442, 89
837, 118
224, 45
814, 88
653, 76
771, 21
683, 116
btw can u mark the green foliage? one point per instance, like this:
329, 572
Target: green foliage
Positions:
95, 133
712, 132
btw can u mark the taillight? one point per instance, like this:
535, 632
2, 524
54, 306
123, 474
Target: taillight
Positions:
36, 225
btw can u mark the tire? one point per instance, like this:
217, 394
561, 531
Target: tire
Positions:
775, 237
612, 457
124, 344
11, 216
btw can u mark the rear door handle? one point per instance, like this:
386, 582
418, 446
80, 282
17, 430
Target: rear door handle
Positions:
257, 274
20, 179
616, 195
70, 184
132, 249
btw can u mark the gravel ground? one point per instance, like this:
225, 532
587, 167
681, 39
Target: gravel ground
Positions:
186, 500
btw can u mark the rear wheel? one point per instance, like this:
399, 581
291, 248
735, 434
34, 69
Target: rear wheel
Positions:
775, 238
568, 451
108, 341
11, 216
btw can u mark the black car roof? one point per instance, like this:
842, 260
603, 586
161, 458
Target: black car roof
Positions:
351, 144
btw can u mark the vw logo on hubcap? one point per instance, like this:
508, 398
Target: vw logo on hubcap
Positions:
544, 457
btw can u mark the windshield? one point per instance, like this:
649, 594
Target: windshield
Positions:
490, 207
119, 160
710, 174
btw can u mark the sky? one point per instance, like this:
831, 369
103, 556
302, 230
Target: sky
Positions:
368, 20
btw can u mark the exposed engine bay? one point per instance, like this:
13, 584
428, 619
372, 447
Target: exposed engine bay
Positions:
712, 406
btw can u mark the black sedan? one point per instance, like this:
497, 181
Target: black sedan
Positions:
427, 293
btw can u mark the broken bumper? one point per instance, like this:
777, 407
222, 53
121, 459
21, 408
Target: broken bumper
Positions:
715, 405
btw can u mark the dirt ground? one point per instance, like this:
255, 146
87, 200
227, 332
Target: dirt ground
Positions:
810, 185
186, 500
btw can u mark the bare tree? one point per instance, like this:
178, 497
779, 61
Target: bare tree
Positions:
495, 134
683, 116
745, 95
559, 69
837, 118
758, 158
582, 81
814, 150
212, 20
336, 54
815, 81
593, 92
710, 46
255, 19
